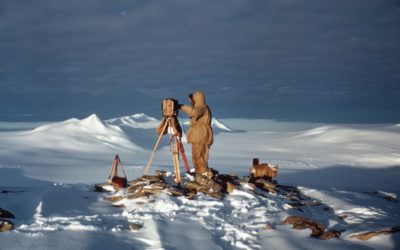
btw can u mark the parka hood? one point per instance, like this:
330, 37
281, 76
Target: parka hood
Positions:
199, 98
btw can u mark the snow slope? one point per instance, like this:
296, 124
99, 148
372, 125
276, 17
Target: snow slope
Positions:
350, 169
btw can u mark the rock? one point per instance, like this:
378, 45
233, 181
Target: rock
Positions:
298, 204
192, 185
190, 194
161, 173
149, 179
330, 234
202, 180
264, 170
207, 185
268, 227
245, 179
228, 178
365, 236
204, 185
158, 186
313, 203
217, 195
369, 235
135, 227
175, 192
214, 187
212, 173
144, 193
265, 185
228, 182
135, 188
230, 187
146, 185
6, 214
6, 225
103, 187
250, 186
113, 198
118, 205
390, 198
298, 222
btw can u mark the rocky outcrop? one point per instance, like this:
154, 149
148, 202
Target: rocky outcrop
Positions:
317, 228
6, 214
369, 235
6, 225
135, 227
330, 234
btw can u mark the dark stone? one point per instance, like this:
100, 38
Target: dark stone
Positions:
100, 188
175, 192
135, 226
6, 225
330, 234
369, 235
6, 214
298, 222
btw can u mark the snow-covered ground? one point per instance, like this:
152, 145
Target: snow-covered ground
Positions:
47, 176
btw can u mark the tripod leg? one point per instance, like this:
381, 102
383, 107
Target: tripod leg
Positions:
122, 167
175, 155
113, 171
185, 161
155, 147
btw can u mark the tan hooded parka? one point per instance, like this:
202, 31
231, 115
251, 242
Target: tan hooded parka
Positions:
200, 133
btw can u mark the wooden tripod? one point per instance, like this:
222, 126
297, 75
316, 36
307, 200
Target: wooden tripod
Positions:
113, 178
176, 147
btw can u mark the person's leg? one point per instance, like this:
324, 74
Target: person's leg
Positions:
199, 156
206, 154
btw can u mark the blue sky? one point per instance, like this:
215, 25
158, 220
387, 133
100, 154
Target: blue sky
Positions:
336, 61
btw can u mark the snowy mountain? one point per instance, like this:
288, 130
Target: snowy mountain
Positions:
143, 121
87, 134
135, 121
78, 145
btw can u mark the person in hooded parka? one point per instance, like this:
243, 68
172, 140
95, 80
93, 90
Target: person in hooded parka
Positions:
200, 133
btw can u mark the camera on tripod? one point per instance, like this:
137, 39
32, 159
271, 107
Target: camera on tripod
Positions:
170, 107
170, 123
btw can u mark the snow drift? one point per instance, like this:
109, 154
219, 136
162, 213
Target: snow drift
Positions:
351, 170
89, 134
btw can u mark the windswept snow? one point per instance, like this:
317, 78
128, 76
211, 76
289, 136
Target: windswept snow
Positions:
146, 122
352, 170
215, 123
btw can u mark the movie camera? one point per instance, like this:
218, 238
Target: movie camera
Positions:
170, 107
